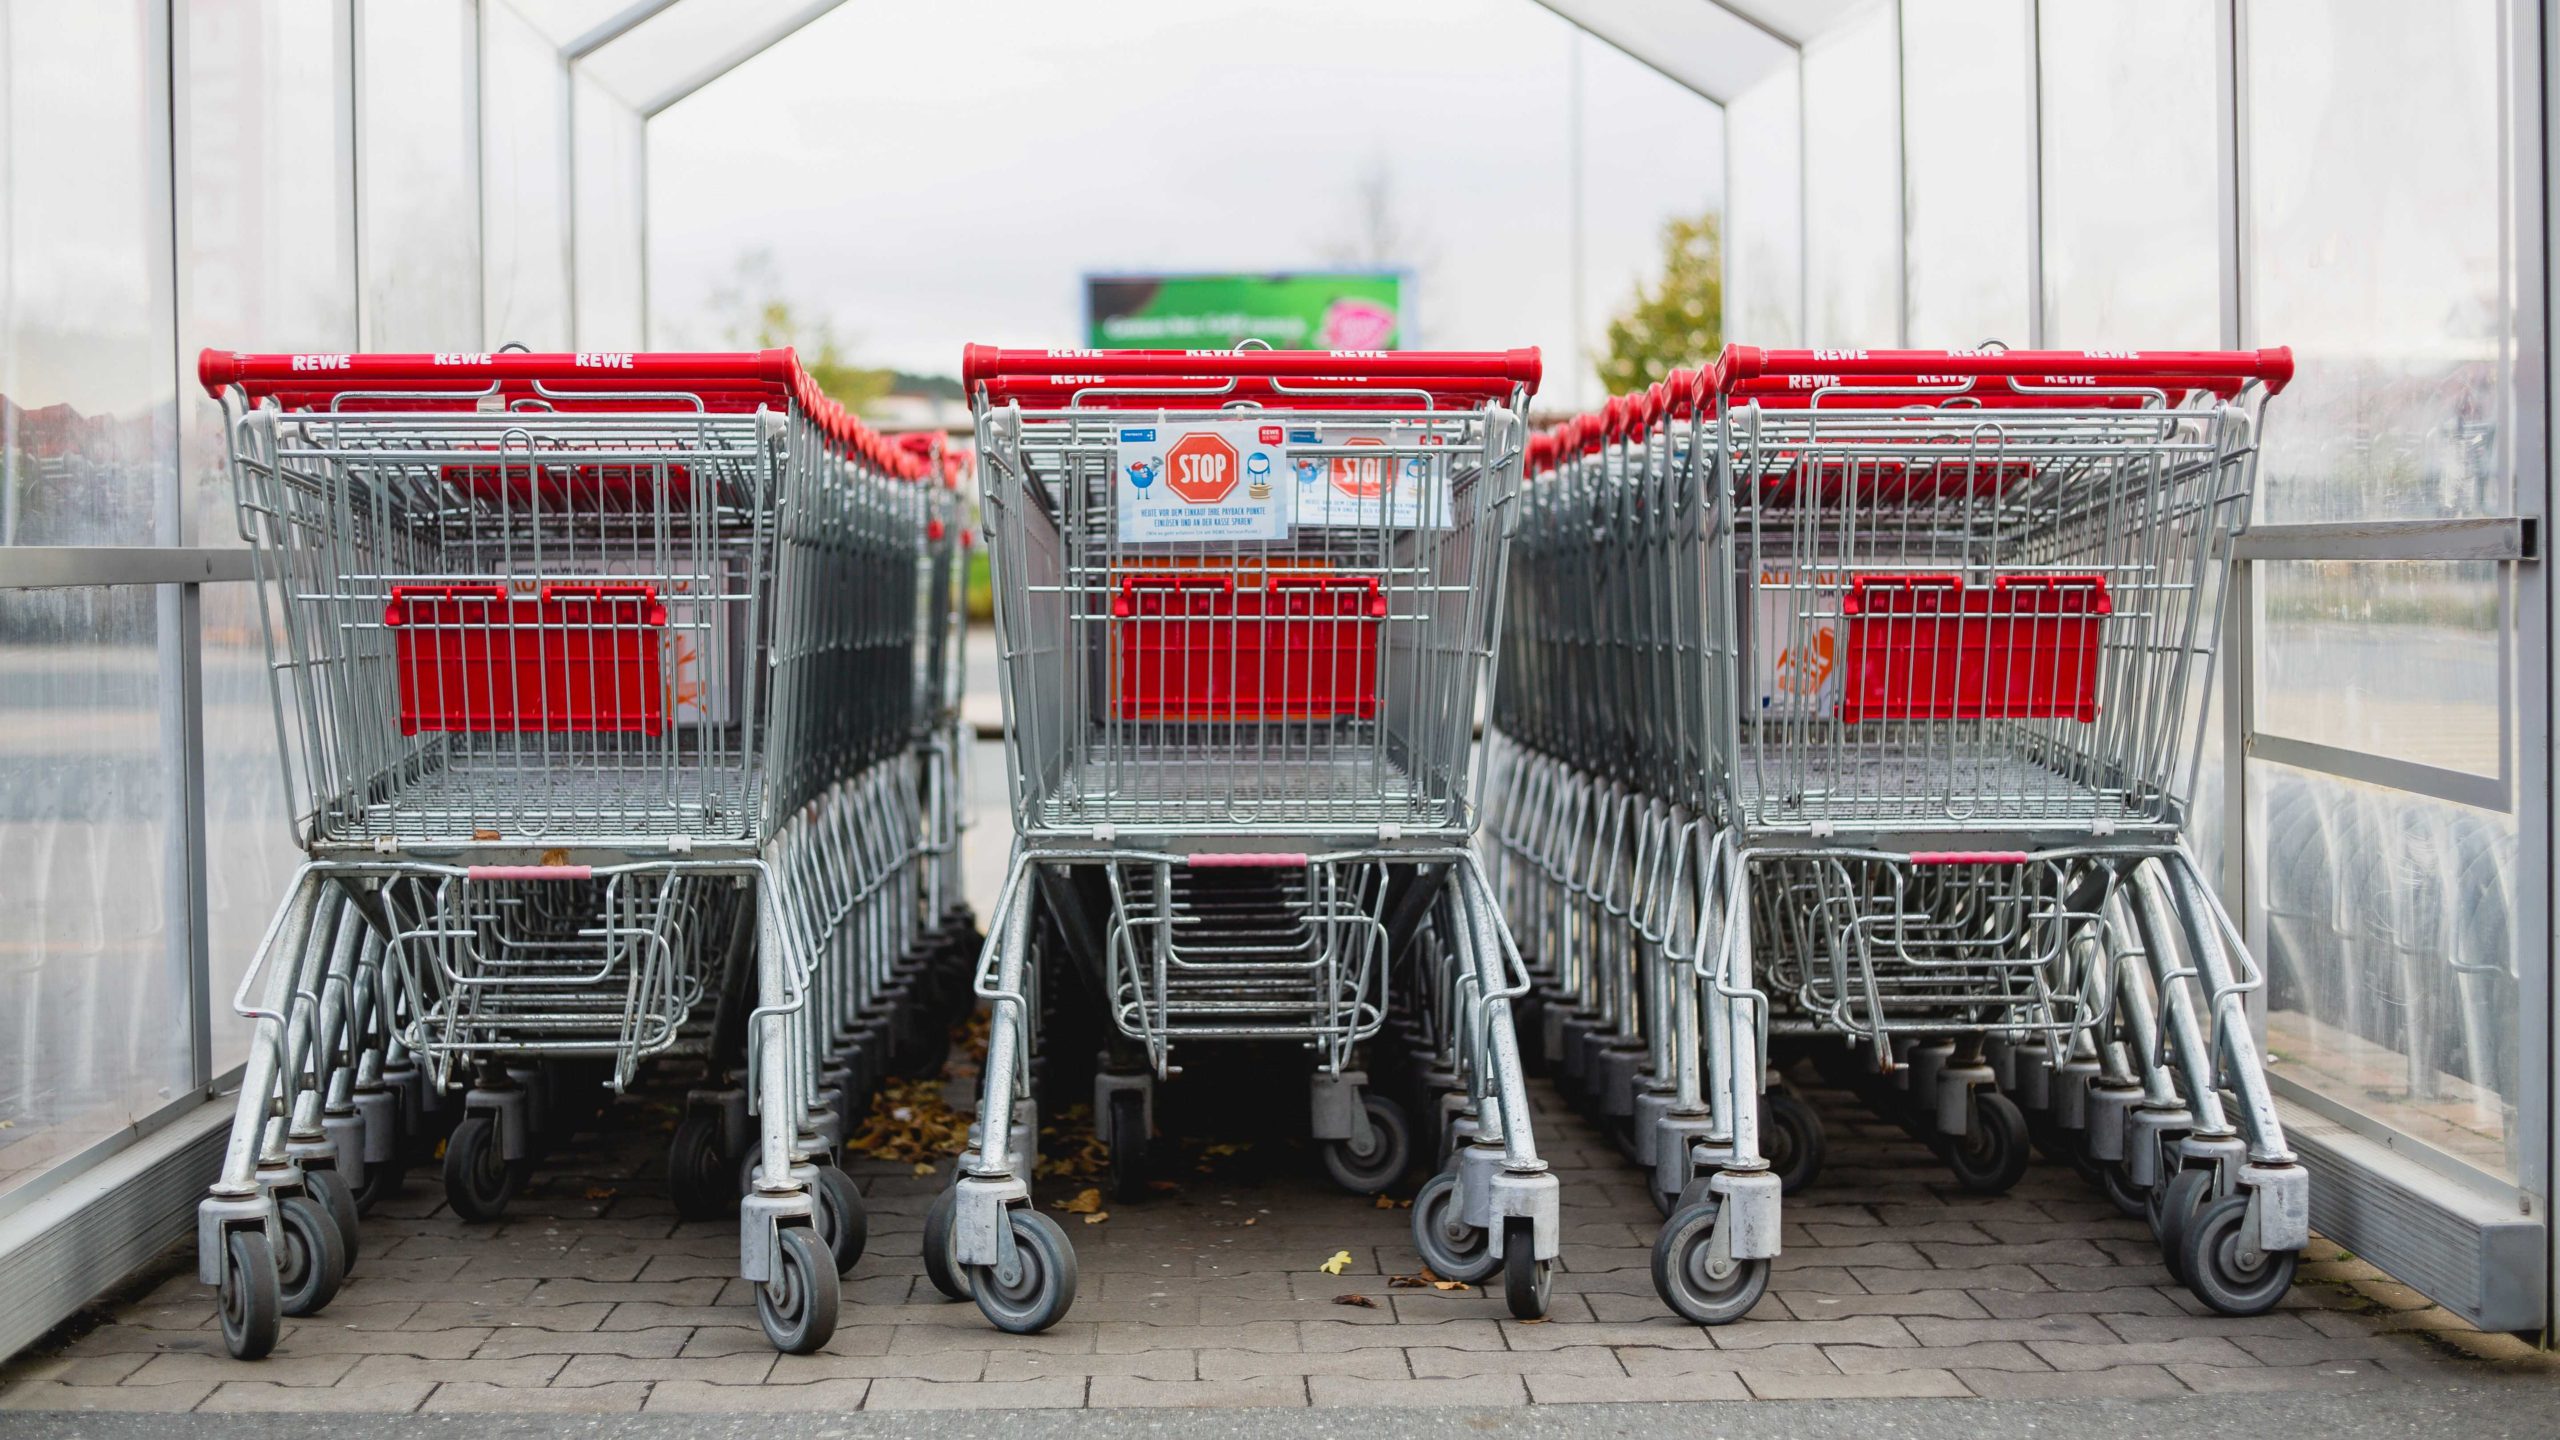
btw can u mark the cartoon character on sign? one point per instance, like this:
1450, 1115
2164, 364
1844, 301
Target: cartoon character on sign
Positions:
1257, 475
1142, 473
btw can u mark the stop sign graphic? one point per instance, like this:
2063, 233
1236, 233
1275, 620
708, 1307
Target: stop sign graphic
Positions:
1201, 468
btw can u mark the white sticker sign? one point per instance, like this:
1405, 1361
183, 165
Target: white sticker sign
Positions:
1347, 489
1220, 480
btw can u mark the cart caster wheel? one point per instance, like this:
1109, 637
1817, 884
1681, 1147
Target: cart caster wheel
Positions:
1034, 1293
1526, 1280
946, 1277
382, 1179
1128, 1141
698, 1175
478, 1180
1690, 1280
2131, 1200
2218, 1272
1454, 1249
252, 1298
1366, 1172
843, 1223
797, 1307
2051, 1140
2173, 1212
1791, 1140
330, 1188
1991, 1155
314, 1261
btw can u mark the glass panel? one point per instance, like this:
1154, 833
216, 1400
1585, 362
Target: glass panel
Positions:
1852, 254
1652, 152
417, 102
1764, 214
2398, 658
2391, 962
675, 45
88, 394
249, 851
270, 210
1966, 158
524, 192
93, 1006
612, 205
2131, 243
2376, 219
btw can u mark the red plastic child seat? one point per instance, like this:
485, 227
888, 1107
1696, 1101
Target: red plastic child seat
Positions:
1198, 647
1931, 647
577, 658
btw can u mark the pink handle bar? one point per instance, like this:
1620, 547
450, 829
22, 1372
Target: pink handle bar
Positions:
2132, 367
1249, 860
987, 363
530, 872
1968, 857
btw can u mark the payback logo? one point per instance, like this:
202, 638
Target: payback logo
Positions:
1357, 325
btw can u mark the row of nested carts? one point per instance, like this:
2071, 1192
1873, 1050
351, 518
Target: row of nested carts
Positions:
1835, 707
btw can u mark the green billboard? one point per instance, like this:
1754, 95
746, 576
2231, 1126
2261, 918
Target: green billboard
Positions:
1327, 310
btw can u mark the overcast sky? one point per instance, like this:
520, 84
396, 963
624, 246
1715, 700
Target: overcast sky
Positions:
929, 175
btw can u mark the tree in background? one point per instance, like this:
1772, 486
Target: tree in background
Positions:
757, 317
1679, 320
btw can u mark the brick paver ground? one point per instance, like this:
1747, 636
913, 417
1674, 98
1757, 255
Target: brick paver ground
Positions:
592, 1297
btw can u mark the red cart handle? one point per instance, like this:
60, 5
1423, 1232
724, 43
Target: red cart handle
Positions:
979, 363
605, 593
397, 612
1376, 604
217, 370
1125, 604
2274, 366
2058, 590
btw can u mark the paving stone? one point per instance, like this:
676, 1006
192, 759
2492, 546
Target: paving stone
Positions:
2183, 1326
252, 1396
2248, 1379
1974, 1281
460, 1314
639, 1344
1066, 1392
1337, 1391
1952, 1304
2131, 1381
2192, 1349
696, 1397
1898, 1385
76, 1370
1008, 1364
1852, 1330
1318, 1336
54, 1395
1262, 1365
1120, 1337
1659, 1329
504, 1399
1885, 1359
1931, 1330
2315, 1348
1801, 1359
2140, 1300
1112, 1391
525, 1371
942, 1365
740, 1369
279, 1370
1589, 1389
1434, 1363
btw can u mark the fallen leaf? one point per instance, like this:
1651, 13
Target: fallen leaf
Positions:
1087, 1201
1225, 1147
1448, 1284
1340, 1262
1164, 1187
1541, 1320
1253, 1219
1424, 1279
1363, 1301
923, 1168
1386, 1204
1097, 1217
601, 1192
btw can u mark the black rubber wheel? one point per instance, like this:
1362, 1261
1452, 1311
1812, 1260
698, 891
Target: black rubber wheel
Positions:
1452, 1248
1128, 1141
919, 1044
313, 1263
843, 1222
2215, 1271
252, 1300
1791, 1140
330, 1188
1382, 1163
699, 1181
946, 1277
478, 1180
1991, 1156
797, 1307
2131, 1200
1036, 1292
382, 1180
1685, 1277
1527, 1280
2179, 1202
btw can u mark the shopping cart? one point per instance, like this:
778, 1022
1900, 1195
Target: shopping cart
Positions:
1245, 601
1882, 727
593, 688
